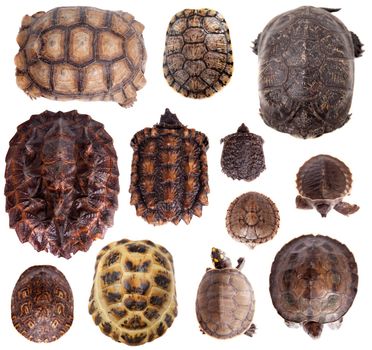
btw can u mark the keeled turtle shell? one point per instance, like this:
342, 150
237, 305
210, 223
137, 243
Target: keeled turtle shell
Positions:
252, 218
42, 304
81, 53
313, 278
169, 179
133, 297
198, 57
61, 182
306, 71
242, 155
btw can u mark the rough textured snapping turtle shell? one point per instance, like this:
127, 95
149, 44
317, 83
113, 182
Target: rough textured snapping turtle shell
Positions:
306, 71
198, 57
313, 281
81, 53
169, 179
252, 218
42, 304
242, 155
61, 182
133, 297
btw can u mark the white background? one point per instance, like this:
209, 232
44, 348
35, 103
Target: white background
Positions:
216, 116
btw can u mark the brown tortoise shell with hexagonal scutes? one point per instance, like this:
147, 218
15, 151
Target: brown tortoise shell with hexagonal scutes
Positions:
42, 305
81, 53
61, 182
133, 298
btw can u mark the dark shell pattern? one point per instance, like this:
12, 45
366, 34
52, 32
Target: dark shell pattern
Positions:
61, 182
169, 179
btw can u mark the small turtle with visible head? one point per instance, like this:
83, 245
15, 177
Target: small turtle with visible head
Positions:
225, 299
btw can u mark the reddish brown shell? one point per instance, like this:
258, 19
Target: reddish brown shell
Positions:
42, 304
61, 182
169, 179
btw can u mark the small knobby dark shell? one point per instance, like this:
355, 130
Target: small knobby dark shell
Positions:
314, 280
42, 304
169, 179
61, 182
198, 57
252, 218
133, 298
242, 155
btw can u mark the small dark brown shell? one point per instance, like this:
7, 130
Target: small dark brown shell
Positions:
169, 179
242, 155
42, 305
61, 182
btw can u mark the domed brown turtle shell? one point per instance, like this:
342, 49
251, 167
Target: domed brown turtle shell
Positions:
42, 304
242, 155
225, 300
81, 53
306, 71
252, 218
133, 297
198, 57
169, 179
61, 182
313, 281
323, 181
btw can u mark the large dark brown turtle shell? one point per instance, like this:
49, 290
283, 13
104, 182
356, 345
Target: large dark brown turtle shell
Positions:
313, 281
169, 179
42, 304
306, 71
61, 182
242, 155
323, 181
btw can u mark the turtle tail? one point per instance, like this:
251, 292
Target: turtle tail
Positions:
314, 329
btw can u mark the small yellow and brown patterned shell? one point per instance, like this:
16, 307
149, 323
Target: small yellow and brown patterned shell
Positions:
42, 304
81, 53
133, 298
169, 179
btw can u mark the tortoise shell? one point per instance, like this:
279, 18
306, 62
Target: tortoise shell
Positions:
242, 155
252, 218
323, 181
198, 57
306, 71
61, 182
81, 53
225, 301
313, 281
42, 304
169, 179
133, 298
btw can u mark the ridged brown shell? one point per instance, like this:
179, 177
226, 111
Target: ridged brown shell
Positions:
81, 53
169, 179
198, 57
61, 182
242, 155
252, 218
313, 279
133, 298
306, 71
42, 304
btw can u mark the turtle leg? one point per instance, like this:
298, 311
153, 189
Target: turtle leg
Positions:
302, 203
201, 330
357, 45
207, 269
291, 324
346, 208
336, 324
255, 44
251, 330
241, 262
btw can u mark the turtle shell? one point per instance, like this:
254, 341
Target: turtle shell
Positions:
198, 57
169, 179
242, 155
306, 71
313, 279
252, 218
323, 181
81, 53
61, 182
133, 298
42, 304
